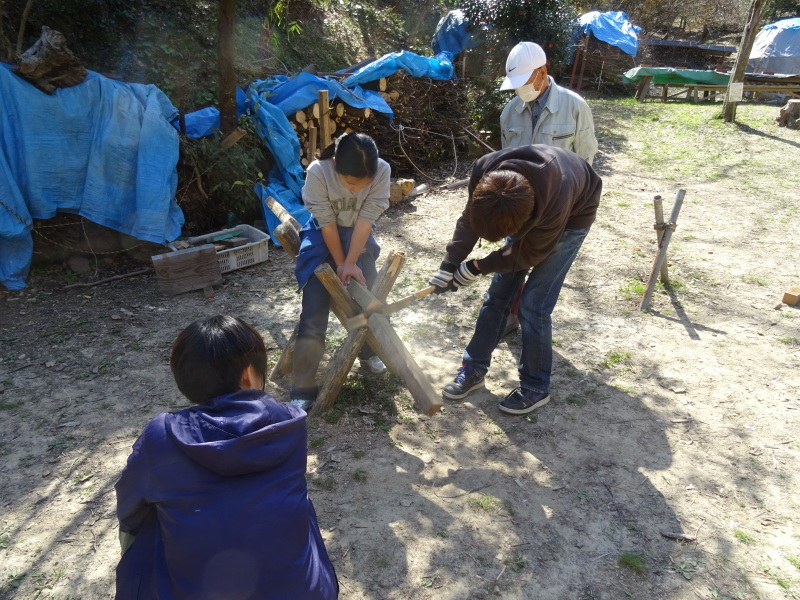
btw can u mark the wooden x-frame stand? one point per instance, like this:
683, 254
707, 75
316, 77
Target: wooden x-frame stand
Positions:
379, 333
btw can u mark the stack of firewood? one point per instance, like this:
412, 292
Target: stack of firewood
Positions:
430, 119
339, 117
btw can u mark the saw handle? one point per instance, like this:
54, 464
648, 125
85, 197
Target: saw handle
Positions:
424, 292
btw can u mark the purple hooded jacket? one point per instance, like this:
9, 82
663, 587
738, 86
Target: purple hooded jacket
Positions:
216, 496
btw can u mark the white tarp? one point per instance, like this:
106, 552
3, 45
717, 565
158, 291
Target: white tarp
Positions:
777, 49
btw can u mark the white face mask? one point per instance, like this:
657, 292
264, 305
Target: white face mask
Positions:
527, 92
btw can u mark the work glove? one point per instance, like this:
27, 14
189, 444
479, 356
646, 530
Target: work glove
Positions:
443, 280
466, 273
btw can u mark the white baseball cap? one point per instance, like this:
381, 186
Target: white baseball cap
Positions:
523, 60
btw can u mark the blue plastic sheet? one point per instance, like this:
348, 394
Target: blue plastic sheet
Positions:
439, 67
286, 177
613, 28
776, 48
205, 121
102, 149
451, 34
302, 90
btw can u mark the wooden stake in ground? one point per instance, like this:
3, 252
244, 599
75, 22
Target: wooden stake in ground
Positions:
659, 225
662, 251
735, 84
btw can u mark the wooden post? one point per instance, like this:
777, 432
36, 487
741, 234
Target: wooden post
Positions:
662, 251
644, 87
659, 225
341, 363
396, 356
312, 143
279, 211
732, 97
324, 120
287, 235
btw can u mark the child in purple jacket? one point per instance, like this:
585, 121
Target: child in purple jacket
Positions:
216, 494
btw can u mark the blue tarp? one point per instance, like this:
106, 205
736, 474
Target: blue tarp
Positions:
205, 121
302, 90
451, 34
438, 67
273, 99
102, 149
286, 177
776, 48
612, 28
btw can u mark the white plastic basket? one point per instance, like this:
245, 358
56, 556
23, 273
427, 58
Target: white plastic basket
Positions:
257, 251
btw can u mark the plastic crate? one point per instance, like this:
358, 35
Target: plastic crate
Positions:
257, 251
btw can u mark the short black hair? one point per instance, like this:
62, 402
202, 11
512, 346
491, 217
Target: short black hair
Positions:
356, 155
501, 204
209, 357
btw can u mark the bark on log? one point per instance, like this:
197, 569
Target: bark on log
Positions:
395, 355
49, 64
790, 115
341, 363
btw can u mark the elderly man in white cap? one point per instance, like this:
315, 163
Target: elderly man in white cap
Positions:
542, 111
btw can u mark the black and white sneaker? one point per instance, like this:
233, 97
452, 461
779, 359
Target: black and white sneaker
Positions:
519, 403
466, 381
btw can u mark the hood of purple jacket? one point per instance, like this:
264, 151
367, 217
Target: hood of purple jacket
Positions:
240, 433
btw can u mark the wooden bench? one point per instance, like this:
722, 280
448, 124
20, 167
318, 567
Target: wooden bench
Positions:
692, 91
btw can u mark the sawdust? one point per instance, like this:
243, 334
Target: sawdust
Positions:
665, 466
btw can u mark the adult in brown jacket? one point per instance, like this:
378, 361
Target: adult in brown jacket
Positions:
543, 200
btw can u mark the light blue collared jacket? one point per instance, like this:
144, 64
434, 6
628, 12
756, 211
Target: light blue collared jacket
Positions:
566, 122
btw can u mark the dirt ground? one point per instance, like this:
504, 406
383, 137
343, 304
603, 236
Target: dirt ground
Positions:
666, 465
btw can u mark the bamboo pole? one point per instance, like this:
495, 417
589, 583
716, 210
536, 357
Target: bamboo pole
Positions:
324, 119
662, 251
659, 225
312, 143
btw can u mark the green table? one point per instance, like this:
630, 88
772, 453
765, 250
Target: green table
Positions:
694, 79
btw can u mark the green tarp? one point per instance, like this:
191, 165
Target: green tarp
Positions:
669, 76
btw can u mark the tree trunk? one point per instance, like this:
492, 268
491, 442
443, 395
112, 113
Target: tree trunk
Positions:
226, 94
22, 22
742, 57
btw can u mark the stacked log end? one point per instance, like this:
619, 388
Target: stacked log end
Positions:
428, 125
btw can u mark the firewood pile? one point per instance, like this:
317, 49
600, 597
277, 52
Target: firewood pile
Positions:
430, 118
602, 64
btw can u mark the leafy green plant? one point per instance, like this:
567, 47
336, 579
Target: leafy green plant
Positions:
429, 581
687, 567
316, 442
14, 579
360, 475
516, 564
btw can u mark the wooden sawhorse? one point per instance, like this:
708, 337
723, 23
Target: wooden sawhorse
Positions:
346, 303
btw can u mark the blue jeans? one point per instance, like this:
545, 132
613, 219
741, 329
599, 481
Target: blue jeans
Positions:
539, 297
310, 343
